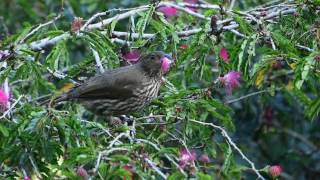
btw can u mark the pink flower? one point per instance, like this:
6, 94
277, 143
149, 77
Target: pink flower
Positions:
132, 56
231, 81
130, 169
224, 55
26, 178
168, 11
186, 157
4, 100
275, 170
296, 14
82, 172
76, 24
268, 114
204, 158
317, 58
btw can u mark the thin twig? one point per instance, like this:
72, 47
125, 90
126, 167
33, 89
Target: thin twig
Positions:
11, 107
35, 167
105, 153
232, 4
186, 10
118, 17
116, 139
304, 48
229, 140
39, 27
155, 168
246, 96
98, 60
157, 148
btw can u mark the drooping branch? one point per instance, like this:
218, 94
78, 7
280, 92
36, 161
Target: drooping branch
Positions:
233, 144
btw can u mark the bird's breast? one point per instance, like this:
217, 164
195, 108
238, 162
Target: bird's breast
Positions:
142, 95
149, 90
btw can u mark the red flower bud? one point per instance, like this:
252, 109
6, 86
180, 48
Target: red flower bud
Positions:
26, 178
184, 46
204, 158
263, 13
224, 55
82, 173
275, 170
76, 24
178, 109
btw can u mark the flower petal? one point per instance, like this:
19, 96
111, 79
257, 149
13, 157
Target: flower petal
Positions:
224, 55
168, 11
132, 56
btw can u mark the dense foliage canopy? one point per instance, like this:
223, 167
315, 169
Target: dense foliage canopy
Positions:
242, 101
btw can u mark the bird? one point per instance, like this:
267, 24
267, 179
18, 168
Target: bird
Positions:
123, 90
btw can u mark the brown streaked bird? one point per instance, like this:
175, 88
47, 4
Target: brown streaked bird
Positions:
123, 90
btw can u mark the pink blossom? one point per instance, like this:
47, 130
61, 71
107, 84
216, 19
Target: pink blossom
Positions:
317, 58
268, 114
26, 178
224, 55
4, 100
132, 56
82, 172
168, 11
204, 158
275, 170
76, 24
186, 157
231, 81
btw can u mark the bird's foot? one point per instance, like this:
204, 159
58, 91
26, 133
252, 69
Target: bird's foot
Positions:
130, 121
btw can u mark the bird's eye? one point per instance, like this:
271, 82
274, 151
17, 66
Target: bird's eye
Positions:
152, 57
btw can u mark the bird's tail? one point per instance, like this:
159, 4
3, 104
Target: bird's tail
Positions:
60, 96
55, 100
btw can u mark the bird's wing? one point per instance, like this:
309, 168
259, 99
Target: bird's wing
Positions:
114, 84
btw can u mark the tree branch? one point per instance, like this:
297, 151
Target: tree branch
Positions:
229, 140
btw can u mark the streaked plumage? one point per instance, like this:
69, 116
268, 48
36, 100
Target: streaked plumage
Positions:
123, 90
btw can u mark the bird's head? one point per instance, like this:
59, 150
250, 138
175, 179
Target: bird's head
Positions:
157, 63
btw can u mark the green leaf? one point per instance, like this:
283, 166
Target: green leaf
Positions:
4, 130
227, 160
314, 109
103, 169
308, 65
202, 176
121, 158
240, 56
243, 25
176, 175
285, 44
144, 21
